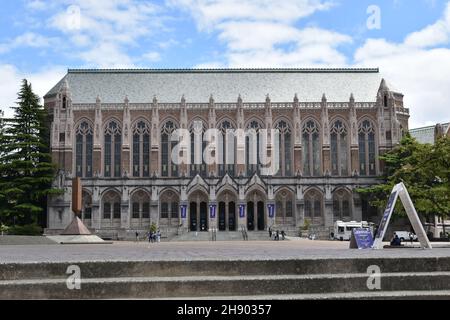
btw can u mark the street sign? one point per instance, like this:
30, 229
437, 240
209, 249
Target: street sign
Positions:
401, 191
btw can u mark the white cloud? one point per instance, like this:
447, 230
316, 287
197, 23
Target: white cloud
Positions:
11, 80
152, 56
28, 39
420, 72
263, 33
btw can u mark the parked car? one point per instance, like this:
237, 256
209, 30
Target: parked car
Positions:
406, 235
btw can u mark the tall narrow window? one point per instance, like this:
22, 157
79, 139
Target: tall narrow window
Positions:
367, 149
314, 206
141, 149
84, 146
285, 145
113, 150
140, 207
253, 148
339, 149
227, 149
111, 206
342, 205
311, 149
168, 168
198, 146
284, 206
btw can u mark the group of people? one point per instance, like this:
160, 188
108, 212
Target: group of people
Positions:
151, 236
276, 235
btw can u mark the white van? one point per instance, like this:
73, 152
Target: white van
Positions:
343, 230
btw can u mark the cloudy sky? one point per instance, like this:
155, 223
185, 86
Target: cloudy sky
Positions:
409, 40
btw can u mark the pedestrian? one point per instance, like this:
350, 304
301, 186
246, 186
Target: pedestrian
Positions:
283, 235
396, 242
158, 236
150, 237
137, 236
411, 238
277, 237
270, 233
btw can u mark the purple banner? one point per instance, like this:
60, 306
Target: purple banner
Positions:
242, 211
212, 211
184, 212
271, 209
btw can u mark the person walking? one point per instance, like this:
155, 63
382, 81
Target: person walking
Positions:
277, 237
158, 236
150, 237
137, 236
270, 232
283, 235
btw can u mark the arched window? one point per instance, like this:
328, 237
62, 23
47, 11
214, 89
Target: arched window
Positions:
253, 148
141, 149
169, 209
342, 206
113, 150
311, 149
285, 148
140, 209
314, 206
339, 149
64, 103
84, 148
284, 207
111, 206
168, 168
198, 146
227, 149
367, 149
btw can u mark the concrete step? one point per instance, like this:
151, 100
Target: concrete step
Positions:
210, 286
115, 269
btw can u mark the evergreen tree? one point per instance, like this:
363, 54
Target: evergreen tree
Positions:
26, 167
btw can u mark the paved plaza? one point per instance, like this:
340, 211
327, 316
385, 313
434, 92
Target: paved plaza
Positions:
170, 251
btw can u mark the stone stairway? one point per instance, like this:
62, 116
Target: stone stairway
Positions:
413, 278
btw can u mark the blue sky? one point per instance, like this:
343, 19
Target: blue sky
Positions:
40, 39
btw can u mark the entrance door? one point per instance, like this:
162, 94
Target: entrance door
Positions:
261, 213
203, 216
232, 216
222, 216
250, 216
193, 216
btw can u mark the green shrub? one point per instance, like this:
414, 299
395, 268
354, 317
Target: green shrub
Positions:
27, 230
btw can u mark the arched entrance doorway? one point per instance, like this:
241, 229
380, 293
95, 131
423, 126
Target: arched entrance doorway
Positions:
256, 211
198, 211
227, 212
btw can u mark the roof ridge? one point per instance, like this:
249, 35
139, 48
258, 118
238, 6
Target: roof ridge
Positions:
230, 70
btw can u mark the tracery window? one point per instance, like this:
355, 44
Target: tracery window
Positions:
367, 149
198, 146
284, 206
113, 150
342, 210
141, 149
227, 149
140, 206
253, 148
313, 205
111, 206
84, 149
311, 149
285, 148
168, 167
339, 149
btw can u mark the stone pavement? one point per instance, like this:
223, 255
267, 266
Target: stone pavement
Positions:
182, 251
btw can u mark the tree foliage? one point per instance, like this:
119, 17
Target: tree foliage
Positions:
424, 169
26, 169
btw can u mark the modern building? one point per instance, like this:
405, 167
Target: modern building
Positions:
434, 225
113, 129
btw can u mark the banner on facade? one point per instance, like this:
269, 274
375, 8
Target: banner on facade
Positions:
212, 211
184, 212
242, 211
271, 209
401, 191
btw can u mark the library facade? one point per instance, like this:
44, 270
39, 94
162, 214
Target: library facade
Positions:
117, 131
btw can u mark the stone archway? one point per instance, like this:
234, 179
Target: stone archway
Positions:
227, 212
198, 211
256, 211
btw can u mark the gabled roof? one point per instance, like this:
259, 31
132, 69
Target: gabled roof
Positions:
224, 84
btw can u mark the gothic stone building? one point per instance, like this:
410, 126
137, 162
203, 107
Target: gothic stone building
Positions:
113, 129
